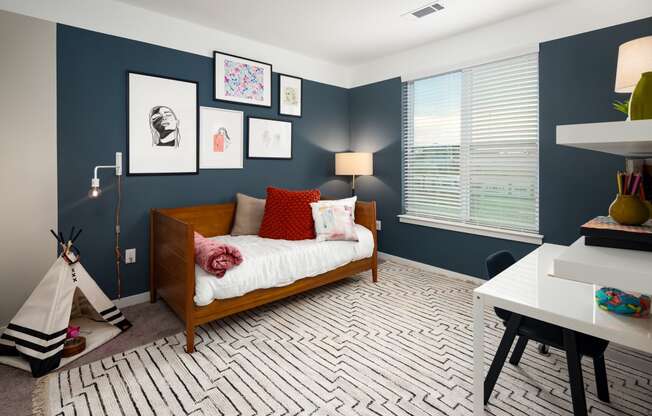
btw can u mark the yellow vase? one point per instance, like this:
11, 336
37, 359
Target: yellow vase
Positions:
648, 204
629, 210
640, 105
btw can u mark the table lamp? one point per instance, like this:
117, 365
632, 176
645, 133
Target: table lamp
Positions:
354, 163
634, 75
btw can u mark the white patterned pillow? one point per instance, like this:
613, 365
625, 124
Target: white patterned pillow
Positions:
334, 220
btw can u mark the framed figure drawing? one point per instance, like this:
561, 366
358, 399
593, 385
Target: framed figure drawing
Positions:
221, 139
242, 80
269, 139
162, 125
290, 95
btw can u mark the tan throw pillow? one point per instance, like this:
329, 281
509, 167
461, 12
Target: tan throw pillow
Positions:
248, 215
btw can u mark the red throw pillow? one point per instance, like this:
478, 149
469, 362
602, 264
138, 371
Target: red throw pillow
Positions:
288, 215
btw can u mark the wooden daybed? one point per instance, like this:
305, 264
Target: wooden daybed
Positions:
172, 263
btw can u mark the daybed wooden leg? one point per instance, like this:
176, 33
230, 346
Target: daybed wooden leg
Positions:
152, 296
374, 273
190, 339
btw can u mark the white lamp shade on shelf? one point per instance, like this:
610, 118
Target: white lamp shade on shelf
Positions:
634, 59
354, 163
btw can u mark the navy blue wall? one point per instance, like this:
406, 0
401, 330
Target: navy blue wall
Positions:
91, 128
577, 76
576, 83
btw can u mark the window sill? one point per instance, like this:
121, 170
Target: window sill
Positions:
523, 237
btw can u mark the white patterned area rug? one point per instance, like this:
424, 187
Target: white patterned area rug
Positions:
402, 346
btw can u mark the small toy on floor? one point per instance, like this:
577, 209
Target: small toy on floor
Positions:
72, 332
74, 343
622, 303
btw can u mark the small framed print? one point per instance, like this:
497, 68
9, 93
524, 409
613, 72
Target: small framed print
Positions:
242, 80
221, 138
290, 95
269, 139
162, 125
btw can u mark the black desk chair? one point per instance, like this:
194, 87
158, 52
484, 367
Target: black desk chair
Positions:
575, 344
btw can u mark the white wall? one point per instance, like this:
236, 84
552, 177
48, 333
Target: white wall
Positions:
136, 23
28, 160
508, 38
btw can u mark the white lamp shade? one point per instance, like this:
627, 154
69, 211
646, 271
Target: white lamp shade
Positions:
634, 59
354, 163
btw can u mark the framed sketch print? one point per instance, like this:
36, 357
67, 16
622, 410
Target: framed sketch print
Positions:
221, 138
289, 97
162, 125
242, 80
269, 139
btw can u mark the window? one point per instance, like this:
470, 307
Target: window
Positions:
471, 147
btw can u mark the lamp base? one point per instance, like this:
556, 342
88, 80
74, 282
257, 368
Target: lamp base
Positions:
640, 105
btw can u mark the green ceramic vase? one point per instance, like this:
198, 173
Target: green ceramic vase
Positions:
629, 210
640, 105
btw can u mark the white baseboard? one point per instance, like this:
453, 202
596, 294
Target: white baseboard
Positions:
132, 300
428, 267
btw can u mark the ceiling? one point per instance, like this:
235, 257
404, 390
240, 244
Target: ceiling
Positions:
345, 32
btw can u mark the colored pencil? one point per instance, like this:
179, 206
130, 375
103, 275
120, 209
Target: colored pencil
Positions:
636, 181
619, 182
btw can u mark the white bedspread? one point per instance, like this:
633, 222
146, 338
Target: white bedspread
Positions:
273, 263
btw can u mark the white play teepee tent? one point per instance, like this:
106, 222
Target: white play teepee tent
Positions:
38, 331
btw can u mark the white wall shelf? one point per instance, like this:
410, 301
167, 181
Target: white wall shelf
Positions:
625, 138
628, 270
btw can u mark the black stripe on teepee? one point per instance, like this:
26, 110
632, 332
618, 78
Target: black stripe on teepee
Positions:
35, 347
34, 333
42, 367
7, 350
123, 325
108, 311
113, 317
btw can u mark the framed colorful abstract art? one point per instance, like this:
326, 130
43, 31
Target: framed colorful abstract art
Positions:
242, 80
269, 139
290, 95
162, 125
221, 138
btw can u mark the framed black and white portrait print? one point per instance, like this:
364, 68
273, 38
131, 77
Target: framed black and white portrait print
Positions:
162, 125
242, 80
269, 139
290, 95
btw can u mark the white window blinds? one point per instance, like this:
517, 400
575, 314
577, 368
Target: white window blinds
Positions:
470, 145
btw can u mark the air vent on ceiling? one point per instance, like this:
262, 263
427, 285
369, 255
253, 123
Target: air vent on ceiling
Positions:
426, 10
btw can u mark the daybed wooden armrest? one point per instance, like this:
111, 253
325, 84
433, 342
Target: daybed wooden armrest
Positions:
172, 263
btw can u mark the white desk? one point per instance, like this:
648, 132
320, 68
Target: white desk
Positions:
527, 289
628, 270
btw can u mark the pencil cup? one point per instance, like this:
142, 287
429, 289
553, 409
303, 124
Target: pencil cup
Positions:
629, 210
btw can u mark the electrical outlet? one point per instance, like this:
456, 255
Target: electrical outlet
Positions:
130, 255
378, 225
